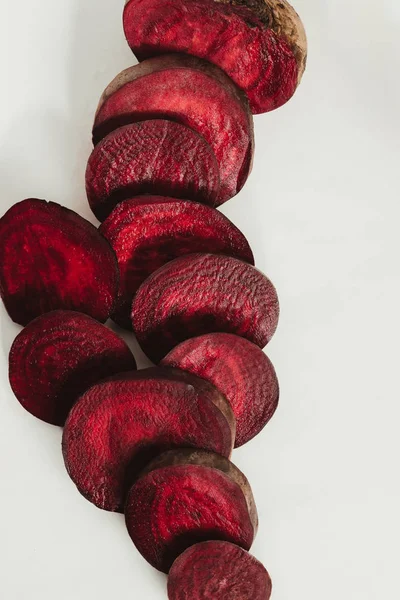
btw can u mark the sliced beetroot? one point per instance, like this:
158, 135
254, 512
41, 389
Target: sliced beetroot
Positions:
58, 356
51, 258
217, 571
185, 497
260, 44
240, 370
119, 425
148, 231
190, 91
151, 157
203, 293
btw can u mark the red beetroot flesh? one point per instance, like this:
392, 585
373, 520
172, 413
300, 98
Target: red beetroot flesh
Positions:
151, 157
217, 571
148, 231
190, 91
238, 369
260, 44
51, 258
185, 498
118, 425
203, 293
58, 356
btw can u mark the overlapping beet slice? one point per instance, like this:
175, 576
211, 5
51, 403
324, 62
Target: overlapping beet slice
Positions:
260, 44
218, 570
240, 370
203, 293
148, 231
185, 497
192, 92
51, 258
58, 356
119, 425
151, 157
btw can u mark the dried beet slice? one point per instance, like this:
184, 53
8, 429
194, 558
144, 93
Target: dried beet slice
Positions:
238, 369
185, 497
58, 356
190, 91
148, 231
119, 425
151, 157
51, 258
260, 44
217, 571
203, 293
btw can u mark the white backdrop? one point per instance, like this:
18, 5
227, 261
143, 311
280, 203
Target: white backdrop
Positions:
321, 211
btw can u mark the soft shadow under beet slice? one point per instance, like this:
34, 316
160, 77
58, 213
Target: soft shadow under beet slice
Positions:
58, 356
217, 571
119, 425
148, 231
190, 91
203, 293
238, 369
185, 497
151, 157
51, 258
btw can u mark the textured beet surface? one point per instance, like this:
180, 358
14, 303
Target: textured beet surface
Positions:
218, 570
240, 370
203, 293
58, 356
148, 231
151, 157
119, 425
190, 91
51, 258
260, 44
187, 497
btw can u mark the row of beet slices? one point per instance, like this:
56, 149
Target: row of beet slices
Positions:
173, 139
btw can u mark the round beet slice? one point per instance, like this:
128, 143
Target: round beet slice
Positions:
203, 293
240, 370
260, 44
51, 258
217, 571
185, 497
151, 157
190, 91
58, 356
120, 424
148, 231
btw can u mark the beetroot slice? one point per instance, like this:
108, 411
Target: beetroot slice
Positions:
190, 91
203, 293
51, 258
151, 157
217, 571
148, 231
58, 356
120, 424
238, 369
260, 44
185, 497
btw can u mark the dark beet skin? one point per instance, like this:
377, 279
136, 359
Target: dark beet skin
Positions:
190, 91
148, 231
217, 571
238, 369
187, 497
58, 356
51, 258
119, 425
203, 293
151, 157
260, 44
